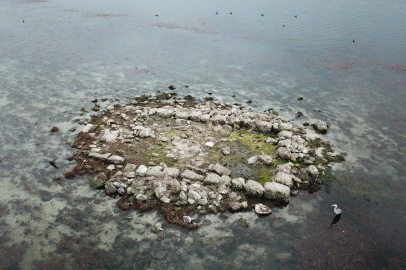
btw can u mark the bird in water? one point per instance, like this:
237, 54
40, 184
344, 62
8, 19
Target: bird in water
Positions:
53, 164
353, 41
338, 211
295, 16
262, 15
156, 15
217, 13
231, 13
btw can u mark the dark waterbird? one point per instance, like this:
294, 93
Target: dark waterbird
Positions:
156, 15
353, 41
53, 164
262, 15
295, 16
217, 13
231, 13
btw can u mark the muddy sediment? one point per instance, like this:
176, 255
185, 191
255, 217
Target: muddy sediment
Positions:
185, 158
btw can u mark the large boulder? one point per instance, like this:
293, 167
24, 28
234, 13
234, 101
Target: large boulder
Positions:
191, 175
142, 170
276, 191
116, 160
284, 178
313, 171
238, 183
283, 152
254, 189
212, 179
320, 126
219, 169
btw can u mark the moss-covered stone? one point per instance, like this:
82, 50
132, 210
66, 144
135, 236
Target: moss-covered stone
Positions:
98, 181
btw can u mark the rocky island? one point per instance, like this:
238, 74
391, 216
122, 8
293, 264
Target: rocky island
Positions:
185, 158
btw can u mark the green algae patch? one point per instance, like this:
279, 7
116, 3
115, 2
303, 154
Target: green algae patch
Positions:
264, 174
254, 142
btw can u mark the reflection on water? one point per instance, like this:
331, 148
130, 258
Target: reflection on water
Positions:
67, 53
335, 220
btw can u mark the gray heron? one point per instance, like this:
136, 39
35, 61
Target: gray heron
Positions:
338, 211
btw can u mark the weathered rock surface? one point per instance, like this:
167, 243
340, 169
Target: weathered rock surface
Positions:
277, 192
320, 126
254, 189
98, 181
116, 160
261, 209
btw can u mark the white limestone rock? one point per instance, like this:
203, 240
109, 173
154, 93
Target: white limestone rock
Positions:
313, 171
254, 189
252, 160
210, 144
238, 183
266, 159
141, 197
262, 209
103, 157
87, 128
285, 179
286, 134
226, 151
142, 170
191, 175
109, 136
283, 152
212, 179
171, 172
116, 160
276, 191
219, 169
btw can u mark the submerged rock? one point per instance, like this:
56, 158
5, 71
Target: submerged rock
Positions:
243, 222
320, 126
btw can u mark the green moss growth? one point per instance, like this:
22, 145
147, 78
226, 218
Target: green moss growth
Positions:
164, 96
254, 142
264, 175
160, 150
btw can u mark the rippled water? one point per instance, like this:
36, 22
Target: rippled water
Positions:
67, 53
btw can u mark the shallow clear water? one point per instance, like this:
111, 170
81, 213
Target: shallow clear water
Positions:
67, 53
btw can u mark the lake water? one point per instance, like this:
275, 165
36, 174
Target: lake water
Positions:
66, 53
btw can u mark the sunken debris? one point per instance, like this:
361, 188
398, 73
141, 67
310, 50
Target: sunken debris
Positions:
184, 158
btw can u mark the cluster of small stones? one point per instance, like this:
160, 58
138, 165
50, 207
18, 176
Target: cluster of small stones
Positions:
198, 184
